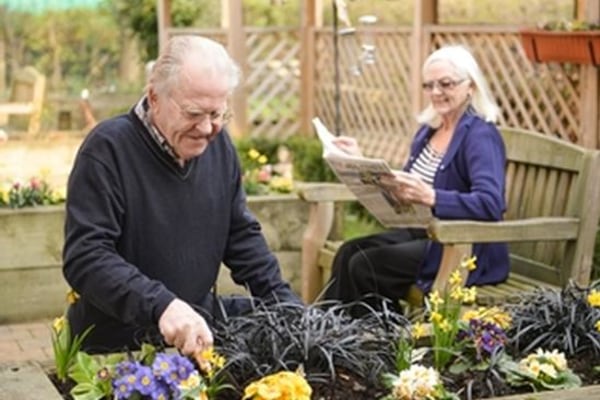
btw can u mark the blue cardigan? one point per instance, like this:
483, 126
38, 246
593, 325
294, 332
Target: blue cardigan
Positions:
469, 184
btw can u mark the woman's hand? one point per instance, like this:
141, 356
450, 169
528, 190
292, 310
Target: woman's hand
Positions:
348, 145
409, 187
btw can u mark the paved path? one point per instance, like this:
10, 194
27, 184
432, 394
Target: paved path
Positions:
29, 341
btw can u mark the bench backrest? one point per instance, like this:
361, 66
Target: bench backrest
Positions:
27, 87
547, 176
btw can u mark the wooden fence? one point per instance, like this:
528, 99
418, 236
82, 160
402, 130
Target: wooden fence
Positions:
376, 101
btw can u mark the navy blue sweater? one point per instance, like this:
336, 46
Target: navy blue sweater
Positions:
141, 230
469, 184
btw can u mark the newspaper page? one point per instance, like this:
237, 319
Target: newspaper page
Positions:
361, 176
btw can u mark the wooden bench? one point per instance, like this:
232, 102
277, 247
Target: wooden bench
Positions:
26, 98
553, 200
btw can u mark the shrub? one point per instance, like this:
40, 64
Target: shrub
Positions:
35, 192
566, 320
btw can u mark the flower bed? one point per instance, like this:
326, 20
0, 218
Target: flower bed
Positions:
549, 341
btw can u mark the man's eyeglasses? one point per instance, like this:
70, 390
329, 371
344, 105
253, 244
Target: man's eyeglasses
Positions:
196, 117
442, 84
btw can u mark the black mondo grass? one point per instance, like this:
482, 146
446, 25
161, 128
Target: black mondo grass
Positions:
321, 339
555, 319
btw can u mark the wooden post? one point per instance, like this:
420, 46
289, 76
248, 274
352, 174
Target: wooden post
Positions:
163, 15
590, 86
310, 14
425, 13
2, 64
236, 39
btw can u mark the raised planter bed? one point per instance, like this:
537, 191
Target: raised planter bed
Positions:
31, 239
29, 381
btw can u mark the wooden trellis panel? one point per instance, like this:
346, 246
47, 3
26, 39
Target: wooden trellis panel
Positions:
540, 97
273, 82
375, 101
376, 105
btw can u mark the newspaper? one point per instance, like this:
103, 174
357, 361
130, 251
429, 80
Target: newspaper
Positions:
361, 176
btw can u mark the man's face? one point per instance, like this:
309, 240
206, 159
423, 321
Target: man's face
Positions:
193, 113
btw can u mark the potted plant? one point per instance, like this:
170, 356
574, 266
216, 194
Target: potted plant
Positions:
563, 41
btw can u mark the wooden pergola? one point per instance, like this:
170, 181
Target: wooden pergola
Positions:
425, 14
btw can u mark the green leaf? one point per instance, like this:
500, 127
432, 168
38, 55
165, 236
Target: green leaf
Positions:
87, 391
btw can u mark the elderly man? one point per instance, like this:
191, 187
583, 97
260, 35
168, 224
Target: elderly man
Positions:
155, 204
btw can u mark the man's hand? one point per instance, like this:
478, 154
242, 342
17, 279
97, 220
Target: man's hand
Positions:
184, 328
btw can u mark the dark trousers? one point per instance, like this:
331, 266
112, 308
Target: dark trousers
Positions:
385, 264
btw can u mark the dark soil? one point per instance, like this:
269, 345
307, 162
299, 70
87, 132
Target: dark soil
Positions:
469, 385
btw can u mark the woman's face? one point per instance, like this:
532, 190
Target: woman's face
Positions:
447, 91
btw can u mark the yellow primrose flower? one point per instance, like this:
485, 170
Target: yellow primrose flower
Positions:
594, 298
419, 331
597, 325
192, 381
281, 184
469, 263
253, 154
262, 159
283, 385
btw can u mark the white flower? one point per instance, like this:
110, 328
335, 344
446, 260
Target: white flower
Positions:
415, 383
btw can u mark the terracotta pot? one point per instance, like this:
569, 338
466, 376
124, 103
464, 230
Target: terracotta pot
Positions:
581, 47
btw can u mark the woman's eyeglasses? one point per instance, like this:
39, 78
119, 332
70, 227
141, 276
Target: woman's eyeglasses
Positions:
442, 84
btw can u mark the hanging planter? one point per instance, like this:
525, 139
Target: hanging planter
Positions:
569, 46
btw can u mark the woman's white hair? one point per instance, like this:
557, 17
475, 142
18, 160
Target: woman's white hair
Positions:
208, 55
466, 68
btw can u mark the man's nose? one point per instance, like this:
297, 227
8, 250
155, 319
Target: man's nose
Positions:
204, 125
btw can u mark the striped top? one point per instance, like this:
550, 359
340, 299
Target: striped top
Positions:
427, 163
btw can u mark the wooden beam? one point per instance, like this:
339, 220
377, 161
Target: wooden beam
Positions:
236, 40
163, 15
311, 14
590, 87
425, 13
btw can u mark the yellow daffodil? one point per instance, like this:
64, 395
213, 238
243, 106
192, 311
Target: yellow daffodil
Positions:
594, 298
435, 299
58, 324
456, 278
209, 361
469, 263
418, 330
435, 317
72, 296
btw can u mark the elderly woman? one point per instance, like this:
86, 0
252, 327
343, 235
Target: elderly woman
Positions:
456, 167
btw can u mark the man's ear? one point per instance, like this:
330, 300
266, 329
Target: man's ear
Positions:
152, 97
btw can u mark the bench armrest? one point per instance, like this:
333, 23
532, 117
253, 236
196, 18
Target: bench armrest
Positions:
324, 191
522, 230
